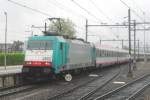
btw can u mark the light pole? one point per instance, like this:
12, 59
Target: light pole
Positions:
5, 57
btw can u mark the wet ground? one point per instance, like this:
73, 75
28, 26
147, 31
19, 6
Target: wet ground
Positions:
146, 94
57, 87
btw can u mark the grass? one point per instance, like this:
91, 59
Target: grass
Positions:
12, 58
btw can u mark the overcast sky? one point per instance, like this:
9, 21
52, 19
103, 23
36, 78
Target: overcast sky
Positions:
20, 19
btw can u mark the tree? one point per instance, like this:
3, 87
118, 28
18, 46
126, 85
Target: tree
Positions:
63, 27
17, 46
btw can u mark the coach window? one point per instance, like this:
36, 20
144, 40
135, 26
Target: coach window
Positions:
105, 53
118, 53
112, 53
99, 52
102, 53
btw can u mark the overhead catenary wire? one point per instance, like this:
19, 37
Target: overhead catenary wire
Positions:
47, 14
67, 9
88, 12
100, 10
141, 10
132, 10
137, 6
125, 4
33, 9
62, 6
141, 18
109, 19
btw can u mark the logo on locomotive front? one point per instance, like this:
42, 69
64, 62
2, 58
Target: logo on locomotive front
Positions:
38, 57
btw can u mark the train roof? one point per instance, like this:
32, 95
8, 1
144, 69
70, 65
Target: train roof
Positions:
60, 38
108, 48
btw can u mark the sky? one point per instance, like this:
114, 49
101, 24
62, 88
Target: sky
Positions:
20, 19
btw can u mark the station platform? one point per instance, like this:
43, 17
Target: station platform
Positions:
10, 69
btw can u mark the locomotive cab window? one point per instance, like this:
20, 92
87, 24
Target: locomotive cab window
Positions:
39, 45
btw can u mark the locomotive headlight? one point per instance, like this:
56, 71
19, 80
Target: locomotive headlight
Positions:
28, 62
47, 63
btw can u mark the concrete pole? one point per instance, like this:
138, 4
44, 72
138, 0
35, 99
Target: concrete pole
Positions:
86, 31
134, 61
144, 39
5, 57
138, 48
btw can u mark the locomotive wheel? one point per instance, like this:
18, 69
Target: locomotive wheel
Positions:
68, 77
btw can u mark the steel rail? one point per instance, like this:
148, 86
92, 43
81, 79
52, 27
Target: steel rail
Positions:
70, 90
133, 96
86, 96
109, 94
55, 97
20, 88
16, 90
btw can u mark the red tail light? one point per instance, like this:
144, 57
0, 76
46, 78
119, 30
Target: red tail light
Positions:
38, 63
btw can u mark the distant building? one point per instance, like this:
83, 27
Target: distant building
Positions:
2, 47
12, 47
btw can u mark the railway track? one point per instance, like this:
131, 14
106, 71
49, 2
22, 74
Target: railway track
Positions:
4, 92
15, 90
84, 90
128, 91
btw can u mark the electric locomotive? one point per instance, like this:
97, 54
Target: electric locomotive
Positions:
52, 55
